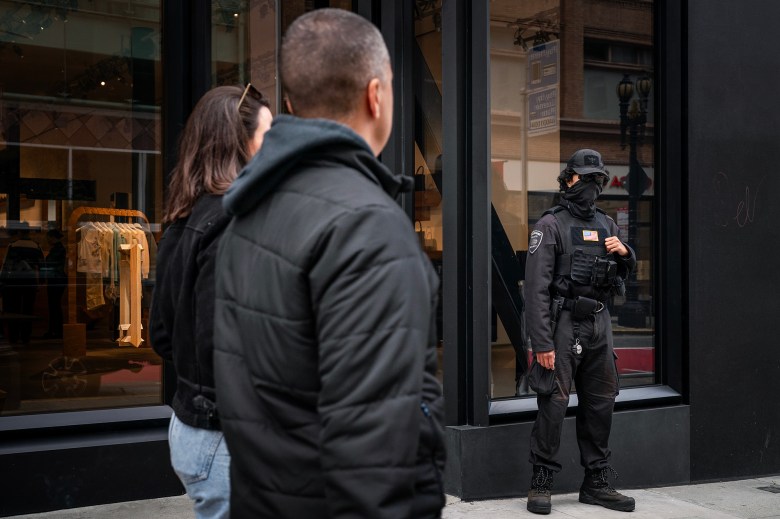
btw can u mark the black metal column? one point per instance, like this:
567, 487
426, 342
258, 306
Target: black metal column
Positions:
466, 179
671, 231
397, 25
10, 166
186, 70
368, 9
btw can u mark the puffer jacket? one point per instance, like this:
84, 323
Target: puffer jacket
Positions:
182, 313
325, 353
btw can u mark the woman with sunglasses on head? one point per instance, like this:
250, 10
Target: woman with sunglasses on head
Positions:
222, 134
575, 264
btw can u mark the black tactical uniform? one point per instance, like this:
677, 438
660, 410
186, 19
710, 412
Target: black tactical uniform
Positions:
568, 279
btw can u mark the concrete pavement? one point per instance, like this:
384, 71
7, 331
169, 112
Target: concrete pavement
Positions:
757, 498
725, 500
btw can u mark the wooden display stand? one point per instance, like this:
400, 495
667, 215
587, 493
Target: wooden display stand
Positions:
130, 295
74, 334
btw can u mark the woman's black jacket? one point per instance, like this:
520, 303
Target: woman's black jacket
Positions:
181, 324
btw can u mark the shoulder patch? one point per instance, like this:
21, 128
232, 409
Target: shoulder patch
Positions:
535, 241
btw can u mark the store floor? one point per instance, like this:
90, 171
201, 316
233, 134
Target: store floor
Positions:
109, 376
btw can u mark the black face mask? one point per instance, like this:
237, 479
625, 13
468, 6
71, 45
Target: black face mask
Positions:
580, 198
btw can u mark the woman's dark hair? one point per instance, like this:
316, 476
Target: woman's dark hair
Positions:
565, 177
212, 147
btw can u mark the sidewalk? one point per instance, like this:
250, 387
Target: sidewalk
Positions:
724, 500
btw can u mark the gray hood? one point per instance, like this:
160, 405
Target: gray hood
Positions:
293, 142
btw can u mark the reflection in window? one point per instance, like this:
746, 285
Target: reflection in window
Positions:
243, 45
427, 73
554, 89
80, 178
244, 41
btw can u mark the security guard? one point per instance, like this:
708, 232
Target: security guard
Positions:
575, 263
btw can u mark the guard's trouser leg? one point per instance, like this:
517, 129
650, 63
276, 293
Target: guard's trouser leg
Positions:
597, 385
546, 433
596, 382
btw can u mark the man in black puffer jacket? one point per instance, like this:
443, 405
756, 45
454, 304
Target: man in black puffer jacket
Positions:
325, 353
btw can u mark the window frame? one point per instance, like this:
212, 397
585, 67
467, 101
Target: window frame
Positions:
467, 293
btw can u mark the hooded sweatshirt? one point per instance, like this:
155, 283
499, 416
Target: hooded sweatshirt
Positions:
324, 339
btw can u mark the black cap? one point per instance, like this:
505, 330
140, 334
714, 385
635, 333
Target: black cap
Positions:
587, 162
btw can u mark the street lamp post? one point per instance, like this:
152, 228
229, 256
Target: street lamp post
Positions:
633, 120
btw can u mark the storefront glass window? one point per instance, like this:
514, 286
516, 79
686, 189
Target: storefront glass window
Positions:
555, 71
243, 45
427, 73
80, 204
244, 40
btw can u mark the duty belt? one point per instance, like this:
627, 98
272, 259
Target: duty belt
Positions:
571, 305
581, 308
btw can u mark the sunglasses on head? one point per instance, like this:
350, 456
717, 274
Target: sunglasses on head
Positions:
254, 94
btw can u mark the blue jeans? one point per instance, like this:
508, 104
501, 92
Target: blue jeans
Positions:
201, 460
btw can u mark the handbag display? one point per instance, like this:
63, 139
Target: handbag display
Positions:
420, 233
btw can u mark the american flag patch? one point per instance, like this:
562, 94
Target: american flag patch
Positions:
590, 235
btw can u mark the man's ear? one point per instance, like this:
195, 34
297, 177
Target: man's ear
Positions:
288, 105
374, 93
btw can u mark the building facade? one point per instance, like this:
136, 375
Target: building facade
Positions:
491, 99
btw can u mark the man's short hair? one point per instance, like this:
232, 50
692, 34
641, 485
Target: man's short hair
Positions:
328, 56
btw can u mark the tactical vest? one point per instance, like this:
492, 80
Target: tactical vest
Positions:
584, 260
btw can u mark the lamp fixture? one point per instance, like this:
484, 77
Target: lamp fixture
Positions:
538, 29
425, 8
633, 119
625, 89
643, 85
227, 12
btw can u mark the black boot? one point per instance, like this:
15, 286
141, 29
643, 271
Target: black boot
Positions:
596, 490
539, 494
